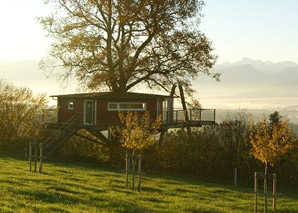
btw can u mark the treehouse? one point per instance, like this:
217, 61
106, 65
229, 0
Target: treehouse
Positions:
100, 110
96, 112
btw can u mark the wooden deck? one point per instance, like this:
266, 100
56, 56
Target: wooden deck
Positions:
162, 127
173, 119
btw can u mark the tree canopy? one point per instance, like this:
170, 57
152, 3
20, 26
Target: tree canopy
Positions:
116, 44
20, 114
271, 140
136, 131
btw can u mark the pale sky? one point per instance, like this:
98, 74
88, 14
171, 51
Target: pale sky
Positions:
257, 29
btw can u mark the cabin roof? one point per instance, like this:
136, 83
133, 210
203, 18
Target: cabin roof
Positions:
113, 95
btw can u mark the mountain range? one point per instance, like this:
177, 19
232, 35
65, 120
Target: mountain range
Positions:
251, 84
252, 79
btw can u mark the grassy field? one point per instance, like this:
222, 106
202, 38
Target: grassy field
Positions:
80, 187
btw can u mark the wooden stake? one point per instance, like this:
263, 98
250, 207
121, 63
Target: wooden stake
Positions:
26, 151
274, 192
40, 158
265, 195
256, 192
30, 156
35, 156
139, 172
126, 171
133, 173
235, 177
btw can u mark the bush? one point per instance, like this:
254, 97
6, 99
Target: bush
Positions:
20, 116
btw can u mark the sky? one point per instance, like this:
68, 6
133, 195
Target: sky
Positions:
257, 29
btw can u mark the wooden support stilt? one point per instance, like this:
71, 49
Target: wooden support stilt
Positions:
186, 119
161, 138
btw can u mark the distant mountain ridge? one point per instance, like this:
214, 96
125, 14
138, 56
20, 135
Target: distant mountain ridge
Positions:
265, 67
251, 84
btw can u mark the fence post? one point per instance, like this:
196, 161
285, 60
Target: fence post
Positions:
35, 156
126, 171
40, 158
265, 193
139, 171
235, 177
274, 192
26, 151
30, 156
256, 192
133, 172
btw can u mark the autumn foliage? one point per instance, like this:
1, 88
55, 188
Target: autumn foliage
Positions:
271, 140
136, 131
20, 115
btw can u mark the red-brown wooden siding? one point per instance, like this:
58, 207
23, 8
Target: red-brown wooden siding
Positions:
103, 116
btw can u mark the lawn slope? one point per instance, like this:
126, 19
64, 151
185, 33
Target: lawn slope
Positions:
79, 187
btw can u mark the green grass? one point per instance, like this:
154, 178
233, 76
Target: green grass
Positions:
80, 187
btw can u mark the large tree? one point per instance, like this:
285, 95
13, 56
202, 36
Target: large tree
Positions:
118, 44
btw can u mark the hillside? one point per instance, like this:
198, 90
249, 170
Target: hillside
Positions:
79, 187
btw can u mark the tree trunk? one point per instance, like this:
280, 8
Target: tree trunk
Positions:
184, 109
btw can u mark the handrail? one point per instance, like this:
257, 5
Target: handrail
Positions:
57, 133
177, 116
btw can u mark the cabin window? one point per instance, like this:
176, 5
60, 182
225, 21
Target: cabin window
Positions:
127, 106
70, 105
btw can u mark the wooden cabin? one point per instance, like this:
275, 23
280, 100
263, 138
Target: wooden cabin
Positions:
96, 112
101, 109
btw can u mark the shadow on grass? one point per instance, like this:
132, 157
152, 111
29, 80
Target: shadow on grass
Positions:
50, 197
151, 189
127, 206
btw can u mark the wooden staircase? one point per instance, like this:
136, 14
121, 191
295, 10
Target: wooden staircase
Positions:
59, 137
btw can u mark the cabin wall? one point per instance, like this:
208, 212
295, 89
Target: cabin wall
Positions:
103, 116
106, 118
64, 114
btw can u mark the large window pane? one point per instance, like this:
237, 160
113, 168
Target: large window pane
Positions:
125, 106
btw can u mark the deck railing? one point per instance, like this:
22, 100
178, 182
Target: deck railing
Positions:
195, 115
